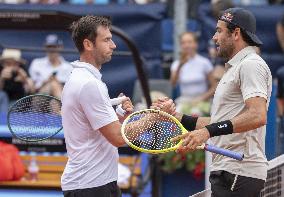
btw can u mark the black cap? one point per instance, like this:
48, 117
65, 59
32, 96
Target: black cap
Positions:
243, 19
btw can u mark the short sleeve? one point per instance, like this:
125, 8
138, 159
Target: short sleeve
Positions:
254, 79
174, 66
96, 105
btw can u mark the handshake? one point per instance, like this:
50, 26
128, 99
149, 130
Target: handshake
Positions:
164, 104
191, 140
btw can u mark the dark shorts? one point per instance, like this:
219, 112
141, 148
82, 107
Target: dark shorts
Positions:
225, 184
108, 190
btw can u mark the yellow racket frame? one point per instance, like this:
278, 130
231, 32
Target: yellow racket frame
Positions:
183, 130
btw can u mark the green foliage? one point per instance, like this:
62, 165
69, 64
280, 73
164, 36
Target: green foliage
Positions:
173, 161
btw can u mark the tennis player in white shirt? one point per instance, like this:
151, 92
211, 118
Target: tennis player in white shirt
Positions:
91, 126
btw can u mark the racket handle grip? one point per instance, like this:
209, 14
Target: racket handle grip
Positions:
225, 152
117, 101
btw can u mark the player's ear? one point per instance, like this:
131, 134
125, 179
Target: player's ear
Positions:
237, 33
88, 45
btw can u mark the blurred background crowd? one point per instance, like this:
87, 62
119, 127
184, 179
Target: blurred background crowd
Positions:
175, 43
104, 2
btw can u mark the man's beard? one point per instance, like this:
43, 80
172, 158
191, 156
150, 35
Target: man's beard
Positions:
103, 60
226, 51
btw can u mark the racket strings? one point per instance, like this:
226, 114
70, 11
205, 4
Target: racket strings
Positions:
35, 117
151, 131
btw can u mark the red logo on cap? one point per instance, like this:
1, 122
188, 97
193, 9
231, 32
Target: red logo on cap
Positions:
227, 17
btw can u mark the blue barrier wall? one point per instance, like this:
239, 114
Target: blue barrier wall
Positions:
270, 143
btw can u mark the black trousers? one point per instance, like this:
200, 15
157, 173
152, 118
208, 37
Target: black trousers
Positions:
225, 184
108, 190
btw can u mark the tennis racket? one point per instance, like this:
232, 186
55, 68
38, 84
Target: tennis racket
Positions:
38, 117
151, 131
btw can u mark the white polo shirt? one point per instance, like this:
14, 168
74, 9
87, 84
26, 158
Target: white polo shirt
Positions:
193, 75
86, 107
41, 69
247, 76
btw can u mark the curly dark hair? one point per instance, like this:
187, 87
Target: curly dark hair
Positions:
86, 28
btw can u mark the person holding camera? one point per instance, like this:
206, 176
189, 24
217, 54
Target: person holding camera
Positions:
14, 80
49, 73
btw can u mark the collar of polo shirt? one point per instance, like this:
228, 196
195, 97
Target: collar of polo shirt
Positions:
92, 69
241, 55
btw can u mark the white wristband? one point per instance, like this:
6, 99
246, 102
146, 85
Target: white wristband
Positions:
120, 111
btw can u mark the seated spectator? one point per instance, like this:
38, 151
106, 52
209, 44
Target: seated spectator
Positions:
280, 32
192, 72
14, 80
51, 72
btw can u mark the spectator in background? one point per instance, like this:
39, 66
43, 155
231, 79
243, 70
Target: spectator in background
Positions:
14, 80
220, 5
280, 32
192, 72
51, 72
280, 72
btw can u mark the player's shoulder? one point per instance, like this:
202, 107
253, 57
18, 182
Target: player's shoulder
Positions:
254, 64
255, 60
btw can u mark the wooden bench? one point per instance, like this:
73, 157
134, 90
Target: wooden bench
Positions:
51, 169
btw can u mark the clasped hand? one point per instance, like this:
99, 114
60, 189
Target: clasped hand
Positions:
191, 140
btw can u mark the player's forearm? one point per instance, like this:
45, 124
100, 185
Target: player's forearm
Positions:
120, 141
112, 133
248, 119
202, 122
